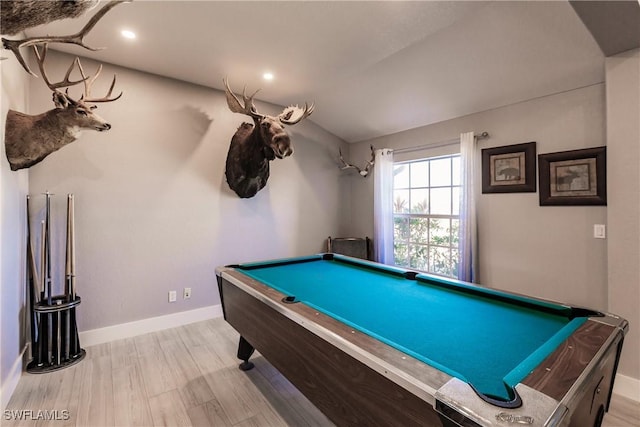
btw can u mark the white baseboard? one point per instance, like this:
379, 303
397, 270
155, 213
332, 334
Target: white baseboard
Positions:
144, 326
11, 382
627, 387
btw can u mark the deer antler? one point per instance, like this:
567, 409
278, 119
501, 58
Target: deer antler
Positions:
246, 107
88, 82
292, 115
15, 45
363, 172
40, 57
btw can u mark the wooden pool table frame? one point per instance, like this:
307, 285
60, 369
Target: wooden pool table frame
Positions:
356, 380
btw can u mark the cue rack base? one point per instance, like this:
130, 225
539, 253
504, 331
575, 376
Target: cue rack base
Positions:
57, 345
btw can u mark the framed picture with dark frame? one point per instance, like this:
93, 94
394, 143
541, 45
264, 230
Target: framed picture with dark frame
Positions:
509, 169
577, 177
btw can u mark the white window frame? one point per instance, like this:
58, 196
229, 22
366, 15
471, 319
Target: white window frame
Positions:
450, 246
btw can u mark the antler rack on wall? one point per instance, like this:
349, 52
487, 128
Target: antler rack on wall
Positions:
363, 172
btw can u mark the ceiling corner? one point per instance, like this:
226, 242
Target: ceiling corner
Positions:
615, 25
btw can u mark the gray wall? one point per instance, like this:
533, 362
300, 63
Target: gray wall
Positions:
13, 189
623, 211
153, 210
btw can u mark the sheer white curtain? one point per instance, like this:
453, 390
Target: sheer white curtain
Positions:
383, 206
468, 267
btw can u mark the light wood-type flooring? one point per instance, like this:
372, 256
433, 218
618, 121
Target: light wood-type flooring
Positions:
186, 376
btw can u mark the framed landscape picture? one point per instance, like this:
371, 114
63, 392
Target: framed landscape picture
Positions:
509, 169
577, 177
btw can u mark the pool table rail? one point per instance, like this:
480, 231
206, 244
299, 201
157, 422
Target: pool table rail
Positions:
578, 371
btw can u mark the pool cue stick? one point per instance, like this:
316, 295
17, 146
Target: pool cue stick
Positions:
43, 260
44, 321
48, 245
51, 342
75, 341
71, 247
69, 274
32, 283
58, 332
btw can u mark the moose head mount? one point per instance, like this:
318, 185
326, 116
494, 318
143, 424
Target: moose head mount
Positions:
254, 145
29, 139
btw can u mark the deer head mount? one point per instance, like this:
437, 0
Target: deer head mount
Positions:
254, 145
29, 139
363, 172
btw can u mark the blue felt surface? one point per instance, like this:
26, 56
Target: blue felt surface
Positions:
477, 339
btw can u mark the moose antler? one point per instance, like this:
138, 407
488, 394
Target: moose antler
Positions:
292, 115
15, 45
289, 116
246, 107
363, 172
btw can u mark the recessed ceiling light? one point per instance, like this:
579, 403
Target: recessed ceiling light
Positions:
128, 34
267, 76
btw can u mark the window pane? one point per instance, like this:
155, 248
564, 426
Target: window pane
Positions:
420, 201
418, 257
401, 201
401, 176
400, 230
440, 172
455, 262
455, 171
455, 232
401, 255
419, 230
420, 174
439, 260
440, 201
455, 200
440, 232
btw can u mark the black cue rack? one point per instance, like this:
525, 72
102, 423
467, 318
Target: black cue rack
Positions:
57, 344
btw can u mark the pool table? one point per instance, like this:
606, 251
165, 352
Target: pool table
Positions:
371, 344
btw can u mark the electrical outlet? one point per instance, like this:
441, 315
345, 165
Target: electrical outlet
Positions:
172, 296
187, 293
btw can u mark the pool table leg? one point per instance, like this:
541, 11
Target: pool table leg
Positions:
245, 350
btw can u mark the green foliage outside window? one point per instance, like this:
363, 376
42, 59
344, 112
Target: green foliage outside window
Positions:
424, 241
426, 244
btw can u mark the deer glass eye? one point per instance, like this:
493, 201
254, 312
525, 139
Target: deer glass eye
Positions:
82, 112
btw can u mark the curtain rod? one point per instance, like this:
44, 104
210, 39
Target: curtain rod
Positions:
481, 135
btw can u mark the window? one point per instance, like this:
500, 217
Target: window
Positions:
426, 204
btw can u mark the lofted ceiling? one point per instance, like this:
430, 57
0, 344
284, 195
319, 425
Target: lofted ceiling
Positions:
372, 68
